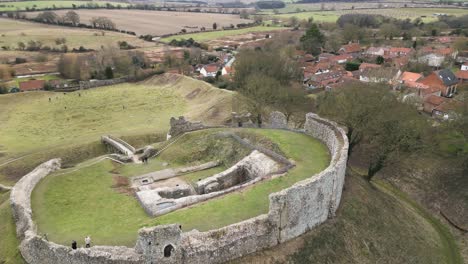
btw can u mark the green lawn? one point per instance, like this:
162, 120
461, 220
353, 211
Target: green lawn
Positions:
72, 205
9, 252
30, 121
206, 36
14, 6
400, 13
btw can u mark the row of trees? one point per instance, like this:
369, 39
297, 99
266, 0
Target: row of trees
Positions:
267, 79
104, 64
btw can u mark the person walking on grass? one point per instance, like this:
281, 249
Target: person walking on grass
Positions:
87, 241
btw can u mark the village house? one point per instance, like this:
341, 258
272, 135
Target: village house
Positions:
431, 102
462, 76
443, 80
366, 65
32, 85
351, 48
227, 70
209, 70
376, 51
440, 107
341, 59
398, 52
464, 66
379, 75
410, 80
432, 59
323, 80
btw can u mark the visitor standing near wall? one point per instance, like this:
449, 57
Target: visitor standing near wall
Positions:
87, 241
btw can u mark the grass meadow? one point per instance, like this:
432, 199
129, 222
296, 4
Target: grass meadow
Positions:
207, 36
72, 205
426, 14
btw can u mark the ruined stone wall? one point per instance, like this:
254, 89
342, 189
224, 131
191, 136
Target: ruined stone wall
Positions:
36, 250
292, 212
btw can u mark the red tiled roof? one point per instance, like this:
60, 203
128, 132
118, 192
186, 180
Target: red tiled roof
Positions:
351, 48
365, 65
410, 76
444, 51
341, 57
434, 100
400, 50
32, 85
462, 75
211, 68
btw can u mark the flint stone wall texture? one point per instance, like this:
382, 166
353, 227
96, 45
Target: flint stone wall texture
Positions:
292, 212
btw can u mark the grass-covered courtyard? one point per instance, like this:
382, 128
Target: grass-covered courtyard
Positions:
31, 124
68, 206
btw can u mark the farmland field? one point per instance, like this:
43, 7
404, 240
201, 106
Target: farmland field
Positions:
427, 14
14, 6
207, 36
158, 22
14, 31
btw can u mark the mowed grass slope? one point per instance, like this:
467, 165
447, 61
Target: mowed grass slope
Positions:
211, 35
14, 31
30, 123
371, 226
87, 201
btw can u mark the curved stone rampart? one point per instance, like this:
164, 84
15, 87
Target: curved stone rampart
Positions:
293, 211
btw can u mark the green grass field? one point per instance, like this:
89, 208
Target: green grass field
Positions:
207, 36
19, 6
427, 14
14, 31
371, 226
32, 124
73, 205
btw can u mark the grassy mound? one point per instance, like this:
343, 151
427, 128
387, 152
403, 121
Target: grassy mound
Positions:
9, 252
71, 204
370, 227
37, 130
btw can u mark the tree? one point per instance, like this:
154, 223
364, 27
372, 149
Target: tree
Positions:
258, 94
389, 30
6, 72
334, 41
269, 79
109, 72
72, 17
47, 17
352, 32
215, 26
103, 23
379, 60
21, 45
313, 40
461, 44
385, 128
293, 21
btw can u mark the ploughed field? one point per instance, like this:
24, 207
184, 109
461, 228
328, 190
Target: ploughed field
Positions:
94, 198
157, 22
14, 31
23, 5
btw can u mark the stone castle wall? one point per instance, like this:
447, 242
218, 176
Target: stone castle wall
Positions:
293, 211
